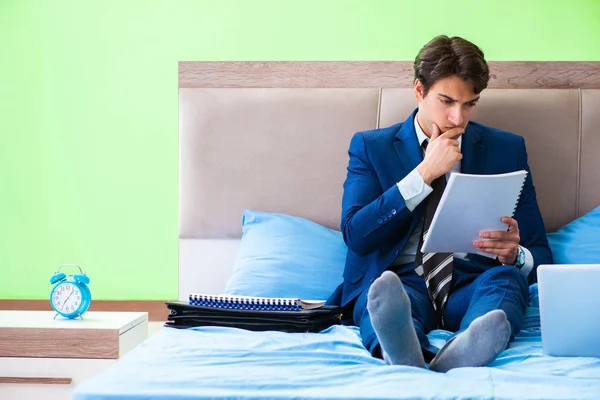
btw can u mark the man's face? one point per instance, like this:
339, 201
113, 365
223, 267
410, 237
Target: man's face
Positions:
449, 104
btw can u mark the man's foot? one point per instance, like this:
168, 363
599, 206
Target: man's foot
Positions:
477, 346
389, 309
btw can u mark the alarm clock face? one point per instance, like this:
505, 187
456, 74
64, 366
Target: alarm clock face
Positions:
66, 298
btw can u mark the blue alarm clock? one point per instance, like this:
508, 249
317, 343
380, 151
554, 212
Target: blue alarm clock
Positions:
71, 296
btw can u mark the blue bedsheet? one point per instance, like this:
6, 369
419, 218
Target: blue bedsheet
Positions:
226, 363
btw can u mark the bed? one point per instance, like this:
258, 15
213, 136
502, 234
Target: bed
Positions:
263, 152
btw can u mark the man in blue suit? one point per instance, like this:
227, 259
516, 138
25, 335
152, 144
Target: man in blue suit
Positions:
395, 178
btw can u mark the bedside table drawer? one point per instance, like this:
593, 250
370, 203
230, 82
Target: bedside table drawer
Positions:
45, 378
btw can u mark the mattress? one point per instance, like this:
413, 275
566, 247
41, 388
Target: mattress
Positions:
229, 363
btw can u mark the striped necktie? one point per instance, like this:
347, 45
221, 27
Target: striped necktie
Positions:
435, 267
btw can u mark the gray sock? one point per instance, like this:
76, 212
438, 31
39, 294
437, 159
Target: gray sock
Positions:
389, 309
477, 346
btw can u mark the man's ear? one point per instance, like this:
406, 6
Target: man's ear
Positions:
419, 90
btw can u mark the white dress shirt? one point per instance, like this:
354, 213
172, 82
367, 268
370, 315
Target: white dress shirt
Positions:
414, 190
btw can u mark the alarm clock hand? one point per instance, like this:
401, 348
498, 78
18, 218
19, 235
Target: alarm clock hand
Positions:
65, 302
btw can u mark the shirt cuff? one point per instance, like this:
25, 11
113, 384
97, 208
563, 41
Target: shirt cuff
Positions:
413, 189
528, 266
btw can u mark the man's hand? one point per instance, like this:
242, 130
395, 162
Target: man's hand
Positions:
441, 154
505, 244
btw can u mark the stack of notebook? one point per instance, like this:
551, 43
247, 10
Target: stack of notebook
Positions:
253, 313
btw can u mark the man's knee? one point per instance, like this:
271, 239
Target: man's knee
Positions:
505, 277
505, 274
504, 287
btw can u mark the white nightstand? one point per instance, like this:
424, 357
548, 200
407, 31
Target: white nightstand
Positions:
45, 358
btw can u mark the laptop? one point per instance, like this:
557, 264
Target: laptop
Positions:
569, 297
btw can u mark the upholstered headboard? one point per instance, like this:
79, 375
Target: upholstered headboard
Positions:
274, 137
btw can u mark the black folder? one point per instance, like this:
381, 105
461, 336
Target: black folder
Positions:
184, 315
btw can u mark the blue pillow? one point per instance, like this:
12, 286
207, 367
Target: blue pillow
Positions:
577, 242
286, 256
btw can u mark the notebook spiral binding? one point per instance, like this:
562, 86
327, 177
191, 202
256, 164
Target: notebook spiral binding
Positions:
245, 303
519, 196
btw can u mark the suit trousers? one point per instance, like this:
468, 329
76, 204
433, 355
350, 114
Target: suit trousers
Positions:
475, 290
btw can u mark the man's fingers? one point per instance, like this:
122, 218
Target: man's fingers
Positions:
513, 225
500, 235
501, 252
498, 252
453, 133
494, 235
435, 131
492, 244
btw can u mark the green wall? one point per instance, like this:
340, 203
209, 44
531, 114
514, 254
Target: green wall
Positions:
88, 109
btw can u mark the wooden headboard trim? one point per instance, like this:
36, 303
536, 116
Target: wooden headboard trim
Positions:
378, 74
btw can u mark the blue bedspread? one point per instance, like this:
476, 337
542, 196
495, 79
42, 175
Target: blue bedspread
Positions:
226, 363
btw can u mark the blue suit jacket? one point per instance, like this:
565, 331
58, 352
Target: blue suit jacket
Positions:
376, 223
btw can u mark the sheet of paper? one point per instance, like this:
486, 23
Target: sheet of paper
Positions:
472, 204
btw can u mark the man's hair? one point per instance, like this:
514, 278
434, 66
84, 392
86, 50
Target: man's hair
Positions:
447, 56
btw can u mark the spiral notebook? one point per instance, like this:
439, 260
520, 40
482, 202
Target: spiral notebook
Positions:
254, 303
471, 204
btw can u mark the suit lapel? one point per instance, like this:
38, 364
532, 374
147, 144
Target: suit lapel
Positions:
408, 149
407, 146
473, 151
